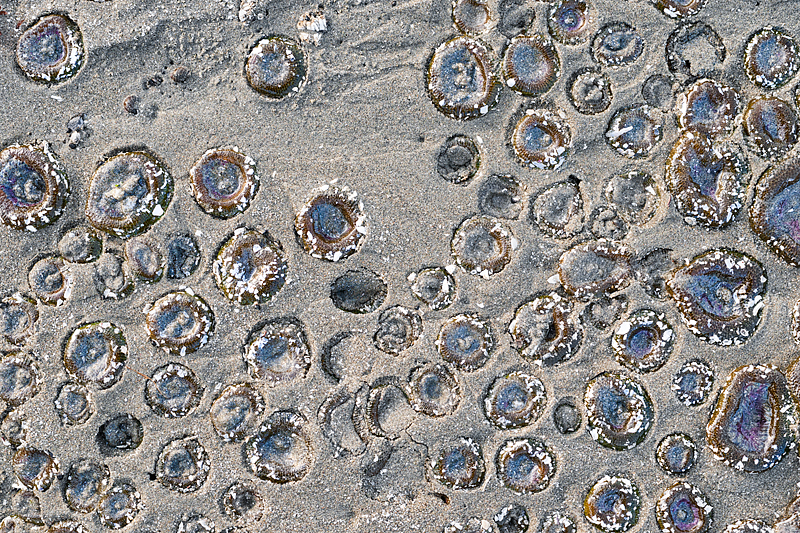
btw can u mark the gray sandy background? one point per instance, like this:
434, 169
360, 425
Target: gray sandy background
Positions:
364, 119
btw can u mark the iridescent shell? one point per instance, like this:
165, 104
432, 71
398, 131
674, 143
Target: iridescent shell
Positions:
676, 453
51, 50
180, 322
515, 400
775, 213
525, 466
128, 193
708, 180
720, 295
531, 65
752, 425
459, 465
281, 451
250, 267
771, 58
571, 21
331, 225
693, 382
483, 246
224, 181
544, 330
683, 508
595, 268
708, 107
434, 390
462, 83
619, 412
634, 130
466, 342
612, 504
769, 127
541, 139
33, 186
644, 341
276, 67
617, 44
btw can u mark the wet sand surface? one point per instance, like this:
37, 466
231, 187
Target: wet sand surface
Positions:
365, 120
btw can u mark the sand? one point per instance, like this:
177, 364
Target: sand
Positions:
365, 120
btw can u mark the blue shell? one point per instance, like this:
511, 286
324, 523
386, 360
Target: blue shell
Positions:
751, 427
720, 295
